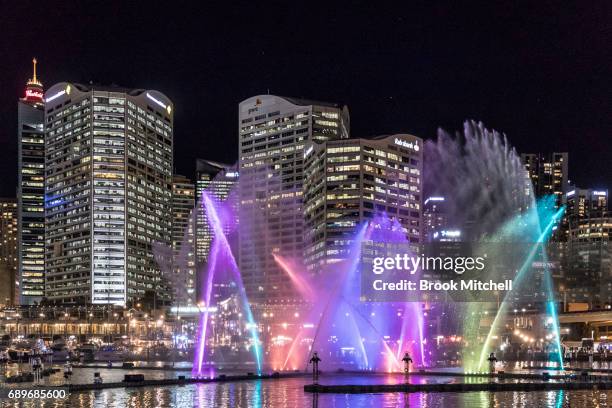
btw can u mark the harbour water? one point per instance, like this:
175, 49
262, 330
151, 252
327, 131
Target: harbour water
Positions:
289, 392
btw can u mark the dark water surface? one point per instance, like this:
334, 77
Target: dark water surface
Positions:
289, 392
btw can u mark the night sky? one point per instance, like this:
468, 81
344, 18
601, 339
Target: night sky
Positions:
541, 73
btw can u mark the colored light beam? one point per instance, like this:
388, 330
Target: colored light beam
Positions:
200, 351
222, 245
519, 277
335, 293
302, 285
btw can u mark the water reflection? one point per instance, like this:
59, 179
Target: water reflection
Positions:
290, 393
257, 394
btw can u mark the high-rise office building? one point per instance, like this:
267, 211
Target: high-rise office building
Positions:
218, 180
589, 276
108, 192
8, 251
435, 217
585, 203
273, 131
30, 192
548, 174
183, 240
350, 181
587, 252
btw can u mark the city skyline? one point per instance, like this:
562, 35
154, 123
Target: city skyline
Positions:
405, 78
292, 204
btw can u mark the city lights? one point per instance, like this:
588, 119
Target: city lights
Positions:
170, 236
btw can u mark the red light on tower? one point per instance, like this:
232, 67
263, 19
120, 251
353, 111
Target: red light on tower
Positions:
34, 89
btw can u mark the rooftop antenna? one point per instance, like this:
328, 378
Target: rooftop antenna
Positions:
34, 63
34, 80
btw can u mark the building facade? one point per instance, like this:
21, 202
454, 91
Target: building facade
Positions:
30, 193
350, 181
589, 276
108, 192
585, 203
435, 217
8, 251
548, 174
588, 252
183, 241
273, 131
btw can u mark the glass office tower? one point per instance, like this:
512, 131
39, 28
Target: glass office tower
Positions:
108, 192
30, 285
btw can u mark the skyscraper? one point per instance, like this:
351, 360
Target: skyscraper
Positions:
108, 192
435, 216
350, 181
585, 203
588, 261
30, 192
8, 251
273, 131
589, 276
548, 174
218, 180
183, 240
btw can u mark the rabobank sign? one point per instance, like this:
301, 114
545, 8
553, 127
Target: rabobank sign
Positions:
408, 145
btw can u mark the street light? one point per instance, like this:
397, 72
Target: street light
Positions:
315, 368
407, 360
18, 316
40, 326
148, 336
90, 325
132, 323
128, 327
115, 315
